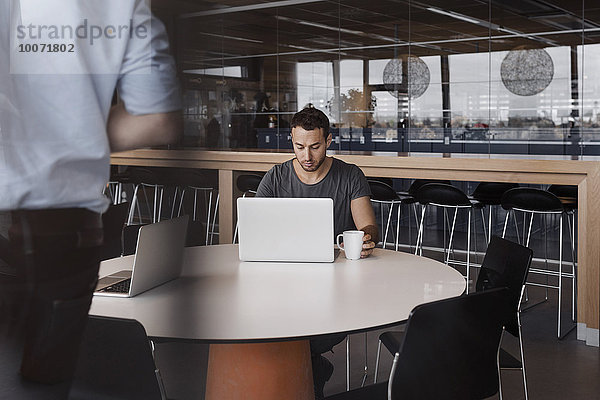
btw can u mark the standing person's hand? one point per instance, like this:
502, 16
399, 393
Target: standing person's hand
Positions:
368, 246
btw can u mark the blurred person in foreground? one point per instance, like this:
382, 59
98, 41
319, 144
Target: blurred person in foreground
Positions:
60, 65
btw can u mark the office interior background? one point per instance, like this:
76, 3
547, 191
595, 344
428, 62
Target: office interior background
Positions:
461, 76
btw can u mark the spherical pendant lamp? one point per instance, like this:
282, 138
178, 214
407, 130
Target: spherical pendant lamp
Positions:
526, 72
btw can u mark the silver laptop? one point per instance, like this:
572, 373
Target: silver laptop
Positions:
158, 258
285, 229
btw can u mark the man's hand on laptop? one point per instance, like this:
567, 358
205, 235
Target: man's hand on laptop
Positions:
368, 246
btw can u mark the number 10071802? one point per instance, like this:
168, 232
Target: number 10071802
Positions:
46, 48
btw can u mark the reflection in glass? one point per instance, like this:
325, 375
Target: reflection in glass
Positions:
433, 76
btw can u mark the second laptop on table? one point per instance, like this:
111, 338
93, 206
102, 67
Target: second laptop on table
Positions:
158, 258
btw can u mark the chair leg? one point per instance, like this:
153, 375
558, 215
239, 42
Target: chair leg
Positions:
377, 362
181, 202
212, 229
387, 226
522, 357
134, 202
208, 217
419, 245
468, 251
573, 259
451, 236
505, 224
398, 227
366, 369
560, 250
160, 201
498, 367
348, 363
489, 228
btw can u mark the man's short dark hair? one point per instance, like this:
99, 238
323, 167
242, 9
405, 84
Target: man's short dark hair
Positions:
311, 118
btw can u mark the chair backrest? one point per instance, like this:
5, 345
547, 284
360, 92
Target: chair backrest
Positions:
505, 264
147, 175
381, 191
248, 183
450, 349
113, 221
568, 195
115, 362
531, 199
417, 183
491, 192
443, 194
564, 190
198, 178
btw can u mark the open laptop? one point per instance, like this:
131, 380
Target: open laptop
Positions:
158, 258
285, 229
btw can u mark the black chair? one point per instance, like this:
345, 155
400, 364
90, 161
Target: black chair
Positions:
446, 197
115, 362
449, 351
532, 202
143, 178
489, 194
569, 196
384, 195
506, 264
248, 185
198, 181
417, 183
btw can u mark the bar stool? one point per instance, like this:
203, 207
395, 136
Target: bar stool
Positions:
533, 202
408, 198
489, 194
568, 196
248, 185
445, 197
199, 181
384, 195
146, 178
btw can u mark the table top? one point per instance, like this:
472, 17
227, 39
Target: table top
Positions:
220, 299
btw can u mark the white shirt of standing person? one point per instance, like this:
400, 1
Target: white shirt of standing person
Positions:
64, 60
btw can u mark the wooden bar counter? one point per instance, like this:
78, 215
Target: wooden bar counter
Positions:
585, 173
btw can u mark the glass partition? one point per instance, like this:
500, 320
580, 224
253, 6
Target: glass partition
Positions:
444, 76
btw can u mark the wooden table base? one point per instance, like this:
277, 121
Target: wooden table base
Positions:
265, 371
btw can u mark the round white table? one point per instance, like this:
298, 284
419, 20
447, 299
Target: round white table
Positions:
261, 314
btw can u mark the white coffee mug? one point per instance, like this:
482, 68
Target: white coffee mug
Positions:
353, 242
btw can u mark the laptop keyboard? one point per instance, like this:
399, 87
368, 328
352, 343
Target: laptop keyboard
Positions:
121, 287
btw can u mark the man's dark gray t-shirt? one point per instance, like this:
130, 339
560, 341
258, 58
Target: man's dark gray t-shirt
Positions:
343, 183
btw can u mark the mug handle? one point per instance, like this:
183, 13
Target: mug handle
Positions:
337, 241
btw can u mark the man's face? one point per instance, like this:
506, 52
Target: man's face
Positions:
310, 147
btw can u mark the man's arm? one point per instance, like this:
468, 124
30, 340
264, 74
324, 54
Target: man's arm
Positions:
128, 132
364, 219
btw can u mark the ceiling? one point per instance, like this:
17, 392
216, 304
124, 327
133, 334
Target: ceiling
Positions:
211, 33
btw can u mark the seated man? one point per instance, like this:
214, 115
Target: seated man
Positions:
312, 174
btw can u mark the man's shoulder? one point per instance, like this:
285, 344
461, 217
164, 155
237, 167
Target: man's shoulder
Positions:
284, 167
344, 166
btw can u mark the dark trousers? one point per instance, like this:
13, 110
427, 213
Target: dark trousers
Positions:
322, 368
46, 294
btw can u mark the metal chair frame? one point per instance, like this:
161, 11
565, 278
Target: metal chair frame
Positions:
547, 272
210, 228
157, 203
448, 250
